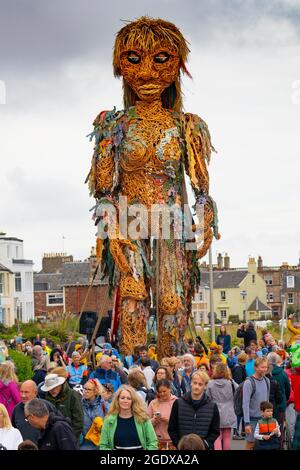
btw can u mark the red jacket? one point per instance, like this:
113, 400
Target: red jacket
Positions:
295, 379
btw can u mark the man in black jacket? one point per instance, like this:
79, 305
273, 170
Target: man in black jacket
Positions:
247, 332
195, 413
56, 432
28, 391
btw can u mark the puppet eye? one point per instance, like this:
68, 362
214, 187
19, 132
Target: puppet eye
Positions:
133, 57
161, 58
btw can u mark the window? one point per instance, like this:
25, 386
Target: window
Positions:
290, 298
268, 280
223, 295
223, 314
200, 294
18, 282
55, 299
253, 278
270, 297
290, 282
1, 283
28, 282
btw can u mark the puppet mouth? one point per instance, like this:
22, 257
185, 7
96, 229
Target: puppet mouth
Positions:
149, 88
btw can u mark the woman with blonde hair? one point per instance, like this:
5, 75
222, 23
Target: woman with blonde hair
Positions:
127, 425
9, 390
10, 437
221, 390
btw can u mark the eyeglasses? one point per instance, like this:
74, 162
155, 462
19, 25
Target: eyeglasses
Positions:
27, 418
88, 389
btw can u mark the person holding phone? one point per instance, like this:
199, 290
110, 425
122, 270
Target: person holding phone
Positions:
159, 411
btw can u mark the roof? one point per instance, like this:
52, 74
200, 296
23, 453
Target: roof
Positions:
72, 274
13, 239
79, 273
258, 306
224, 279
47, 282
4, 268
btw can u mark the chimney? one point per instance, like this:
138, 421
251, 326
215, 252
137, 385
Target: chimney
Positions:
220, 261
259, 262
226, 261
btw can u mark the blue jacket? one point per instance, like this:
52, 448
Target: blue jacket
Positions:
91, 409
107, 376
225, 341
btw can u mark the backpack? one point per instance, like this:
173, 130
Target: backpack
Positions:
238, 395
150, 394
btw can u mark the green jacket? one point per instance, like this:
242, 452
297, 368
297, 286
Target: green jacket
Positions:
145, 432
279, 374
68, 402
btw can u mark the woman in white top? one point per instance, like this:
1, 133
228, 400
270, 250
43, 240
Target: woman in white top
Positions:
10, 437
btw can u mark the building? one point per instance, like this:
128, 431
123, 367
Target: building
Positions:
65, 290
291, 290
12, 257
239, 294
7, 317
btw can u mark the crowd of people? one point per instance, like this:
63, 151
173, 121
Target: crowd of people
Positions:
204, 399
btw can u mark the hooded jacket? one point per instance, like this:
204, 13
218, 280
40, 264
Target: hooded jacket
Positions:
57, 435
106, 376
164, 407
221, 391
68, 402
9, 395
284, 383
198, 417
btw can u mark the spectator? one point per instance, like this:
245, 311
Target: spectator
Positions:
40, 364
143, 353
66, 400
69, 347
27, 445
132, 359
147, 370
107, 396
189, 368
294, 329
213, 361
216, 350
56, 432
105, 374
9, 390
255, 390
159, 411
56, 356
239, 375
77, 373
191, 442
296, 440
220, 389
127, 425
162, 373
252, 356
10, 437
195, 413
279, 374
117, 367
232, 357
224, 340
267, 430
28, 391
172, 364
204, 366
137, 380
45, 347
199, 354
93, 407
247, 332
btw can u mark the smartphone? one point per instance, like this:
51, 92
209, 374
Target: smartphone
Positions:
157, 413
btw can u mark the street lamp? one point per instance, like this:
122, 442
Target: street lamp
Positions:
283, 298
244, 295
18, 303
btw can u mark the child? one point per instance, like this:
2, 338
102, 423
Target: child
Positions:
267, 431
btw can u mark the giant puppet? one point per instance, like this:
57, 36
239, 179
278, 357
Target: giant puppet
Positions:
142, 153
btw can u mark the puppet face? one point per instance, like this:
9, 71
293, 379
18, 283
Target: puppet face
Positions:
149, 73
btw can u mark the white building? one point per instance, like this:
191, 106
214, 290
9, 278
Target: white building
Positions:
12, 257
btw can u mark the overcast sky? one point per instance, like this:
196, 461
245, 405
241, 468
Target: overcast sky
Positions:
55, 63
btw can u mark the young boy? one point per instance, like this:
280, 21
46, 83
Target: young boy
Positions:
267, 431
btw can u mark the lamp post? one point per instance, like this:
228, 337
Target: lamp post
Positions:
283, 312
211, 296
244, 295
18, 303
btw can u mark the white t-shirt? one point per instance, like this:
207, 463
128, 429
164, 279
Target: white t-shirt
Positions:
149, 375
10, 438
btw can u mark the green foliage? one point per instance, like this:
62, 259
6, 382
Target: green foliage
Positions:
23, 365
290, 310
234, 319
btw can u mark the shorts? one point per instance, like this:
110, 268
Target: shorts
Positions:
253, 423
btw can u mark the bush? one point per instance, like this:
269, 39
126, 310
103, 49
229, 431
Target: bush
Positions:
234, 319
23, 365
